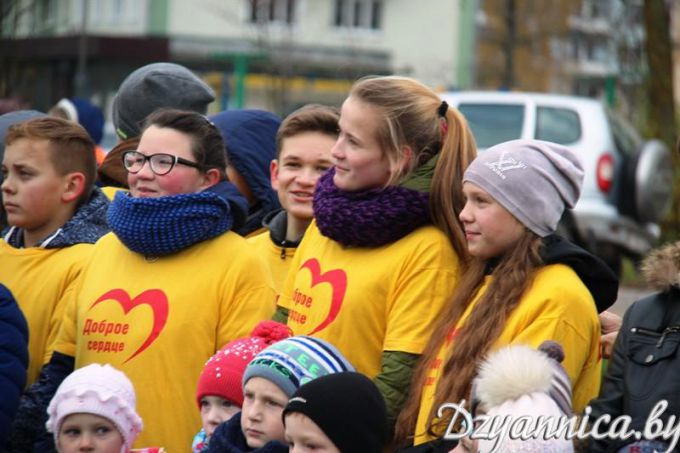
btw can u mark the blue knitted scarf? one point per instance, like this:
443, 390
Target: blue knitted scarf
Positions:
166, 225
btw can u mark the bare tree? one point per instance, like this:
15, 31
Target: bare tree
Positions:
662, 122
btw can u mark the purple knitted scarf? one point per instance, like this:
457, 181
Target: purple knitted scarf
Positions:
368, 218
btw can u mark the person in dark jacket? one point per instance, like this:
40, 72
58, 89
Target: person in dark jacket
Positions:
250, 140
643, 368
13, 360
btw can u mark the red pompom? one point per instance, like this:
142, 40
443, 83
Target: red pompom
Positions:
271, 331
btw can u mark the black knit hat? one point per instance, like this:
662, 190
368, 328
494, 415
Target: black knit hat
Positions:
347, 407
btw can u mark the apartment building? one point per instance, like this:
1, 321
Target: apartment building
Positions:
274, 54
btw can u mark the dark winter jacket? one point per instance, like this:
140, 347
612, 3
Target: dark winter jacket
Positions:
593, 272
13, 360
250, 139
228, 438
643, 369
277, 224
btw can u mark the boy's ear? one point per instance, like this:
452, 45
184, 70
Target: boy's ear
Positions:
212, 177
274, 174
74, 185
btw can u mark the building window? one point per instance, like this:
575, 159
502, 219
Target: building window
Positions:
46, 15
272, 11
359, 14
596, 9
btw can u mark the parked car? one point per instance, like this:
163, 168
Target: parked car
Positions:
627, 188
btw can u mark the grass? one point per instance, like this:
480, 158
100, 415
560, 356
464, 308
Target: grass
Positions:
630, 275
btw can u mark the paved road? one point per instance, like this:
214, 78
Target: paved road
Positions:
627, 296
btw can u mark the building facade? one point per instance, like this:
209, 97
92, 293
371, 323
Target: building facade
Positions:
273, 54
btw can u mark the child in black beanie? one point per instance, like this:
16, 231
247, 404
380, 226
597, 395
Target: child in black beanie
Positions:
337, 413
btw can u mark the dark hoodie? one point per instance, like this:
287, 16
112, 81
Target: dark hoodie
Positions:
593, 272
229, 438
13, 359
237, 202
250, 139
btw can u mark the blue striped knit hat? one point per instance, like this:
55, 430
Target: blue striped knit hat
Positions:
295, 361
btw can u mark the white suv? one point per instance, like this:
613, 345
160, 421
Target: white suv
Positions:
628, 182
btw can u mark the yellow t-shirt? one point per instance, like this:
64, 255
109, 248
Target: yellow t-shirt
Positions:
38, 279
160, 320
557, 306
369, 300
276, 258
111, 191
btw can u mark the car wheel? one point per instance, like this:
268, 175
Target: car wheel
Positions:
646, 192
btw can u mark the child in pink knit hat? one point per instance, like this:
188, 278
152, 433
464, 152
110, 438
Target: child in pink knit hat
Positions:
220, 392
94, 409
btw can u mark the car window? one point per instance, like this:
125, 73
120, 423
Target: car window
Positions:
492, 124
558, 125
626, 140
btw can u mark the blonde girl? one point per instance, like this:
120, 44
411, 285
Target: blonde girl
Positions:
384, 251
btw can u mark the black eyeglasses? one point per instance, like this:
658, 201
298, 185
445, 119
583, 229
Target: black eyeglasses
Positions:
160, 163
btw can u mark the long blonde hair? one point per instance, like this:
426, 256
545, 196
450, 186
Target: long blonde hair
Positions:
511, 276
409, 117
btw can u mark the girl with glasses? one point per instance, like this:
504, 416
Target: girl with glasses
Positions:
172, 283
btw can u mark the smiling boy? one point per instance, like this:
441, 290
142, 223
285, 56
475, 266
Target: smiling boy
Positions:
303, 145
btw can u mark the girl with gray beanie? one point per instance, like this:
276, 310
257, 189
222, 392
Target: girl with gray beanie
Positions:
522, 285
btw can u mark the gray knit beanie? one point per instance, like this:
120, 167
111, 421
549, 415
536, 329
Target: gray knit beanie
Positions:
154, 86
295, 361
534, 180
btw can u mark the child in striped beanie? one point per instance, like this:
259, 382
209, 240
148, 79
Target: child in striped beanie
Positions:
269, 381
219, 393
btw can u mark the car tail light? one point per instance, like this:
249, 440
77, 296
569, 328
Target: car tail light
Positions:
605, 172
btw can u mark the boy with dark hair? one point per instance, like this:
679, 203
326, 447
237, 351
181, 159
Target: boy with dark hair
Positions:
303, 154
54, 213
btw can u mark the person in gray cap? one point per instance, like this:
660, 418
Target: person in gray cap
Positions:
523, 284
154, 86
145, 90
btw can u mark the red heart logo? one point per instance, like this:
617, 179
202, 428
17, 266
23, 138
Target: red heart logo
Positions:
154, 298
338, 281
